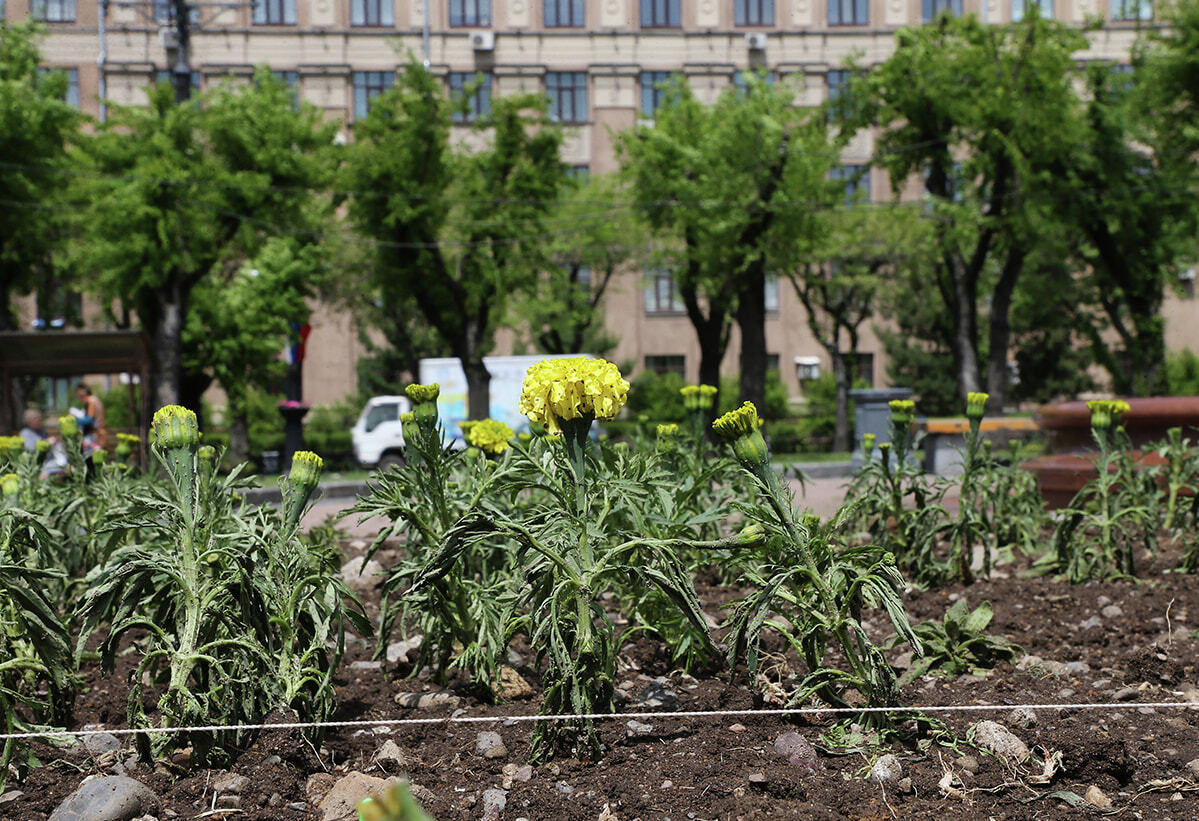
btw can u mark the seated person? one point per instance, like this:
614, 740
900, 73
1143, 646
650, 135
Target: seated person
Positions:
56, 459
33, 430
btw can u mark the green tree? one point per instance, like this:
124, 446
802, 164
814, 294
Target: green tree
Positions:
238, 325
458, 231
185, 192
37, 128
839, 277
729, 188
564, 314
984, 113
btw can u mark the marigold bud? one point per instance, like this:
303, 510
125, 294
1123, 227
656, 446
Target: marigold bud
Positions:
976, 404
68, 426
10, 483
176, 427
306, 469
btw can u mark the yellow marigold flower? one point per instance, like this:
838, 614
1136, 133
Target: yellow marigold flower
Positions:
976, 404
903, 411
423, 393
10, 483
174, 427
559, 390
740, 422
668, 430
490, 436
12, 446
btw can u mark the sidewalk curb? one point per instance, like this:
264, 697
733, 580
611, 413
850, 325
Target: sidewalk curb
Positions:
326, 490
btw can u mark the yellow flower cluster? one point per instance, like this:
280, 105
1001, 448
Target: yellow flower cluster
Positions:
174, 427
490, 436
559, 390
10, 483
423, 393
11, 446
668, 430
1107, 412
68, 426
976, 404
903, 411
697, 397
740, 422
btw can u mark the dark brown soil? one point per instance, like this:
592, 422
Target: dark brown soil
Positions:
725, 766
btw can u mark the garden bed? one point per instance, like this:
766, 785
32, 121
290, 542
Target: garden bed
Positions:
1111, 642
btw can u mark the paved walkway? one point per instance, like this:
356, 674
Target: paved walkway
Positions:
822, 495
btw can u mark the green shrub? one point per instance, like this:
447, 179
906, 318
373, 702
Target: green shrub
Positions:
1182, 373
657, 396
117, 412
777, 406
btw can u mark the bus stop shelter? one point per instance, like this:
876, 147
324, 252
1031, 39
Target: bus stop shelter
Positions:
72, 354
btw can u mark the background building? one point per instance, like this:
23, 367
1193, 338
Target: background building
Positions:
598, 61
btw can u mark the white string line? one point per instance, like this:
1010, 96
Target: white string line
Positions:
401, 722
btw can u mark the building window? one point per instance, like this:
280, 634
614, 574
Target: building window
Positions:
54, 11
741, 83
564, 14
753, 13
579, 173
470, 12
70, 94
274, 12
661, 294
473, 87
1020, 9
856, 182
372, 13
656, 14
367, 86
772, 362
849, 12
772, 295
840, 101
162, 11
935, 8
1122, 9
662, 364
653, 91
860, 367
567, 91
291, 79
165, 75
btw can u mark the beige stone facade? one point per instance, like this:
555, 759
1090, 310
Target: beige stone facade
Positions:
338, 52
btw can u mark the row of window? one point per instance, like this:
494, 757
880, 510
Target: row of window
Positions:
660, 294
572, 13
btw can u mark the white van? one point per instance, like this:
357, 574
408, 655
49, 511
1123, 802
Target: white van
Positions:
377, 435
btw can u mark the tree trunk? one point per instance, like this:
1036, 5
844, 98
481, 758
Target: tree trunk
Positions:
712, 333
164, 325
751, 319
841, 430
1001, 328
965, 331
239, 434
478, 378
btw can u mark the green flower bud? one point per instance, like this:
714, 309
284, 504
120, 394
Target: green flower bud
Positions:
409, 428
868, 440
737, 423
524, 438
68, 426
751, 535
41, 448
1101, 413
903, 412
207, 453
99, 457
423, 393
306, 469
176, 427
10, 484
976, 404
424, 405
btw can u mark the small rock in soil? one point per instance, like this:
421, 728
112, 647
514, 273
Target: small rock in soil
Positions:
359, 577
1096, 798
905, 786
1065, 692
10, 796
512, 685
1126, 694
1075, 668
756, 778
564, 788
317, 787
1103, 601
389, 756
887, 769
968, 763
361, 666
658, 694
100, 743
494, 802
398, 651
1093, 621
489, 744
736, 728
342, 801
513, 774
668, 784
275, 800
230, 783
1023, 718
1112, 611
638, 728
1192, 767
798, 751
1053, 668
999, 740
107, 798
428, 701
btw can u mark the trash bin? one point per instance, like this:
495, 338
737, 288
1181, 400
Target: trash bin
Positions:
872, 414
270, 461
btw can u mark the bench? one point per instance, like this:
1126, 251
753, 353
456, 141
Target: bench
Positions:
945, 439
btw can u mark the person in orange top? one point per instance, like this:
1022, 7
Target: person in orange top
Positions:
94, 408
